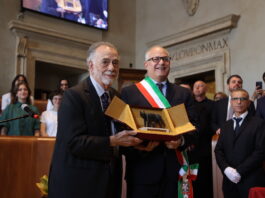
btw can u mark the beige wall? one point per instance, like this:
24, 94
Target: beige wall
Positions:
135, 23
121, 33
156, 19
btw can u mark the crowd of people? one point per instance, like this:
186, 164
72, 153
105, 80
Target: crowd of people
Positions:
87, 155
15, 120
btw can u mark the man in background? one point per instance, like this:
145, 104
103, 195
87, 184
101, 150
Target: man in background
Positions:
240, 149
222, 110
260, 110
201, 153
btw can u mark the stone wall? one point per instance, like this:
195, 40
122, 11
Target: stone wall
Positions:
157, 19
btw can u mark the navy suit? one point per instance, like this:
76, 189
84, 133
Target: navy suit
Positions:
220, 113
83, 163
244, 152
149, 169
260, 111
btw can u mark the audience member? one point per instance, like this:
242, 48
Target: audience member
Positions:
240, 149
260, 110
259, 92
222, 110
86, 162
152, 168
219, 95
203, 185
24, 126
48, 125
6, 98
63, 85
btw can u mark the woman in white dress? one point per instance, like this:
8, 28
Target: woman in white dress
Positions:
49, 119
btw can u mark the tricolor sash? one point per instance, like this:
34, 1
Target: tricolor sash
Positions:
152, 93
187, 173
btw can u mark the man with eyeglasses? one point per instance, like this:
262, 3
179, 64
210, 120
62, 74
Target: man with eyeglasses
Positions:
152, 168
86, 160
240, 149
222, 110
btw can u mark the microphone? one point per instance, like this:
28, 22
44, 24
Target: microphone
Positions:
31, 113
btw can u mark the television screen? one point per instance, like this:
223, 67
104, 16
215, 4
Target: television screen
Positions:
88, 12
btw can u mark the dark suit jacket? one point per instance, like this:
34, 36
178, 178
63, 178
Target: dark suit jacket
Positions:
220, 113
203, 146
260, 111
150, 167
83, 163
244, 152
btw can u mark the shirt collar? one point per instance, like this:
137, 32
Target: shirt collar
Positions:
243, 115
98, 87
164, 82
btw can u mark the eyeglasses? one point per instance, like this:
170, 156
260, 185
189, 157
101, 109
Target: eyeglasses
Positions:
241, 99
158, 58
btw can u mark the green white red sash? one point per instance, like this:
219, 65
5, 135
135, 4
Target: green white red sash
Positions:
187, 173
152, 93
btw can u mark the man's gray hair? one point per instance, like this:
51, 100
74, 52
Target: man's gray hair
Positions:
91, 50
240, 90
155, 46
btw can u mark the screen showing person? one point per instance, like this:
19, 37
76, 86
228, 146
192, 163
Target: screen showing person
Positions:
87, 12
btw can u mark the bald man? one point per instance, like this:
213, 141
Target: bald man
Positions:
201, 153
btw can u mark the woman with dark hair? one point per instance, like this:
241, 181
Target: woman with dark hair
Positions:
63, 84
6, 98
48, 125
25, 126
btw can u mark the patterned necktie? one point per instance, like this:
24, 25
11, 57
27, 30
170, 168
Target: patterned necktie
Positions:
160, 86
105, 101
237, 124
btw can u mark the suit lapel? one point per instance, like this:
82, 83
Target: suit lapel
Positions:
91, 93
169, 92
230, 127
